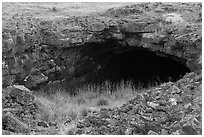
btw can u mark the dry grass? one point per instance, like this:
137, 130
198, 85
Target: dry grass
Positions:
102, 102
53, 10
60, 107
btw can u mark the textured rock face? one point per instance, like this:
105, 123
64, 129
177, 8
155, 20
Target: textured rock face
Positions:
22, 94
67, 52
34, 51
19, 109
22, 113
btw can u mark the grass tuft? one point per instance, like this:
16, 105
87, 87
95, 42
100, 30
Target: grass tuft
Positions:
102, 102
54, 9
84, 112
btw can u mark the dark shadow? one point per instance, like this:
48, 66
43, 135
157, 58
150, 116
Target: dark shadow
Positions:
138, 65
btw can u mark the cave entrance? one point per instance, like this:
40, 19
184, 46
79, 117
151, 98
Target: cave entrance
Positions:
139, 65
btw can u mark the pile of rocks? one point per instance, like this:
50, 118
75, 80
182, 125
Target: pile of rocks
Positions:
22, 113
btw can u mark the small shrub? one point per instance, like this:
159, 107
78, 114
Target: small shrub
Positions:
72, 115
54, 9
81, 101
84, 112
102, 102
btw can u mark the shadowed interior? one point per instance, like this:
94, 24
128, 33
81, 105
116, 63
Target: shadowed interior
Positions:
139, 65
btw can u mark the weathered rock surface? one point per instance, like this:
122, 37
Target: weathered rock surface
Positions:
33, 47
11, 123
21, 112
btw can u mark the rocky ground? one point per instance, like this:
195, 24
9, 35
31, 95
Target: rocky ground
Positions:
34, 54
169, 109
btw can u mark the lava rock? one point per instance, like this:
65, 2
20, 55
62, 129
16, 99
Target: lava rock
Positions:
32, 81
133, 27
164, 132
97, 27
11, 123
43, 124
22, 94
150, 132
189, 130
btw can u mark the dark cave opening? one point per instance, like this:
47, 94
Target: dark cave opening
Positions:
146, 68
138, 65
